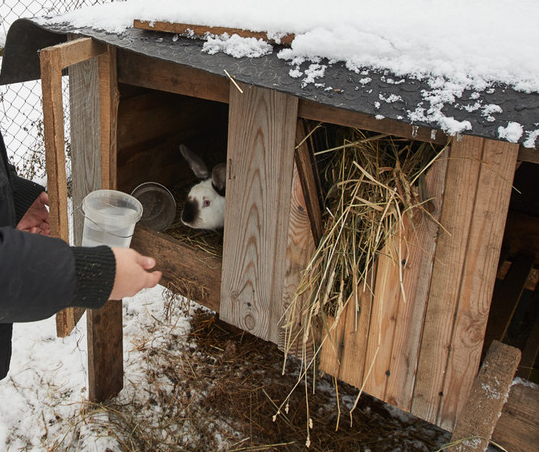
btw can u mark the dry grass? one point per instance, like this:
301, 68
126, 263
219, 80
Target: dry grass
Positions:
374, 182
218, 388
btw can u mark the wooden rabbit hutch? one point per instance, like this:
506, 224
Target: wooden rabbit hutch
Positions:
418, 340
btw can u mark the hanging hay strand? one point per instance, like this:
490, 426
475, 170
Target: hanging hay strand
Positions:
374, 181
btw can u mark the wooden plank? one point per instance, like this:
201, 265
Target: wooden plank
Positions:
187, 271
383, 322
105, 351
85, 163
518, 429
109, 101
77, 51
487, 397
528, 155
262, 130
417, 262
199, 31
457, 209
300, 249
506, 299
104, 326
304, 159
352, 347
141, 70
479, 274
313, 110
53, 125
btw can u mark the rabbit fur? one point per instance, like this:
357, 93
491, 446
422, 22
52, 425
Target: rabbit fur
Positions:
205, 204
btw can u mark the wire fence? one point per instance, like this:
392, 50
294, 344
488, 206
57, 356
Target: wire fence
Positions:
21, 111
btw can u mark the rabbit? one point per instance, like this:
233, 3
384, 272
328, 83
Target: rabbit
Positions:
205, 204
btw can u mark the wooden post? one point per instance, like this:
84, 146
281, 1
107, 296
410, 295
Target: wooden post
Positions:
261, 137
104, 326
487, 398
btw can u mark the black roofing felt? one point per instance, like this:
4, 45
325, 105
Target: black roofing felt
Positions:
370, 92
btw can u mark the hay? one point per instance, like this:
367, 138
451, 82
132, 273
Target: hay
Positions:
217, 388
374, 181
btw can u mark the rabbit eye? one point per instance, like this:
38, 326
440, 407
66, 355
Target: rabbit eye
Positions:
205, 203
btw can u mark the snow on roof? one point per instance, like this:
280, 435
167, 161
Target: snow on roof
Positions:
452, 47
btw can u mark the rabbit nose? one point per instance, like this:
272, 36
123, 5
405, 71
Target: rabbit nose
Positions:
190, 211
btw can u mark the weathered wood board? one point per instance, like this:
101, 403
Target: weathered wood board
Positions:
518, 429
487, 397
261, 140
199, 31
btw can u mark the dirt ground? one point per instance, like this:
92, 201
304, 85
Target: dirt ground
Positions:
220, 389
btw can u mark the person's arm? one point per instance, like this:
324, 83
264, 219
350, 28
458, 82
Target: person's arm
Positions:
40, 275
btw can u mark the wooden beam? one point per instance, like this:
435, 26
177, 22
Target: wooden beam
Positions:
309, 109
518, 429
528, 155
84, 112
187, 271
76, 51
261, 137
304, 162
141, 70
488, 394
105, 326
199, 31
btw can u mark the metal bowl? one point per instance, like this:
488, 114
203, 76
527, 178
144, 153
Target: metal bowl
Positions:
158, 203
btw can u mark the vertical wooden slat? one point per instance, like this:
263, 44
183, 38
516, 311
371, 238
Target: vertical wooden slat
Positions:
84, 108
53, 124
457, 210
262, 126
308, 181
351, 336
300, 248
383, 316
104, 326
477, 285
417, 261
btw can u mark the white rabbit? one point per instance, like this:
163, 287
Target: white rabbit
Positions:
205, 204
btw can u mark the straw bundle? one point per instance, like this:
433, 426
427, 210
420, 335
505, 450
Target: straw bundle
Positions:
374, 180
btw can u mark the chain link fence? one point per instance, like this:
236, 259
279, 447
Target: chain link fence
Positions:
21, 111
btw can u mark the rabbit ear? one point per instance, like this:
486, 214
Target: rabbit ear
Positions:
195, 162
218, 176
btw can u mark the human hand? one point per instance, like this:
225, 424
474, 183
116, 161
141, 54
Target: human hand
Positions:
132, 273
36, 218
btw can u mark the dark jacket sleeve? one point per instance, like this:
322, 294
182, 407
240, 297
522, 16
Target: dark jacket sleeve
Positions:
40, 276
25, 192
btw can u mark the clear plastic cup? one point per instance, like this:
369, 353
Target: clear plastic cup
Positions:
110, 217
